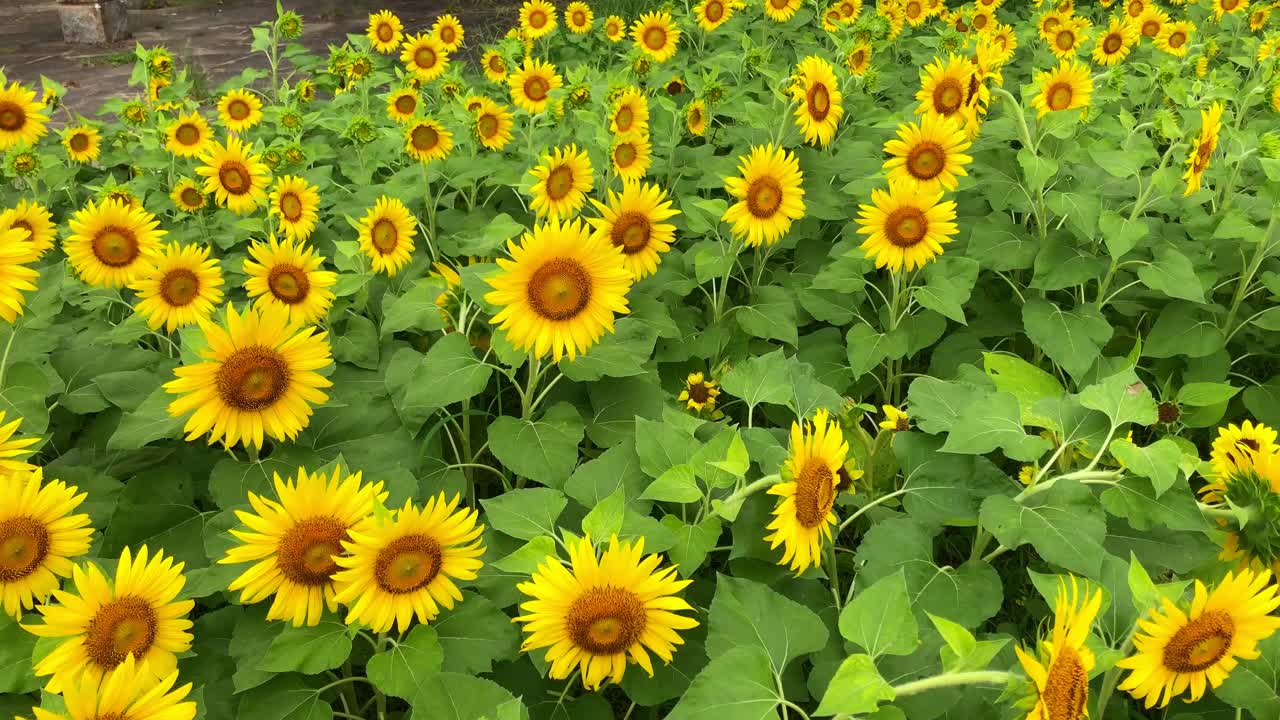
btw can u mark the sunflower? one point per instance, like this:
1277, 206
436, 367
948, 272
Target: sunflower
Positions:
295, 204
130, 692
914, 13
803, 517
631, 156
579, 18
1259, 18
234, 176
533, 83
386, 235
495, 66
1232, 449
656, 34
831, 19
16, 251
1114, 44
782, 10
239, 110
448, 31
1061, 672
36, 220
769, 195
493, 123
21, 119
1068, 38
1198, 647
188, 136
188, 196
288, 275
982, 19
630, 113
1066, 87
1000, 42
930, 155
944, 88
403, 104
699, 393
426, 140
1251, 479
111, 243
537, 18
895, 420
40, 536
1206, 143
1048, 23
615, 28
858, 59
849, 10
906, 227
104, 622
385, 32
695, 118
1228, 7
424, 56
819, 102
604, 610
405, 566
83, 143
560, 290
295, 541
182, 286
563, 180
1152, 21
711, 14
11, 450
1134, 8
633, 221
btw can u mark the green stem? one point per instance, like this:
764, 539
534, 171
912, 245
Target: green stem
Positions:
1139, 204
1264, 249
980, 677
762, 484
862, 510
1101, 477
1112, 677
4, 361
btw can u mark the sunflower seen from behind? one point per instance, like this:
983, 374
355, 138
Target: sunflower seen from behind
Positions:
561, 183
289, 275
803, 517
493, 124
181, 287
188, 135
1251, 481
234, 176
1203, 147
532, 84
929, 156
424, 56
656, 35
537, 18
36, 220
41, 534
635, 222
1069, 86
16, 279
449, 32
819, 103
426, 140
768, 193
22, 120
386, 235
239, 110
1059, 671
83, 143
110, 243
385, 32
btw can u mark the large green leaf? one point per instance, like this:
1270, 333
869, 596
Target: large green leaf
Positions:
407, 668
308, 650
475, 634
737, 683
1064, 524
544, 450
525, 513
857, 688
879, 619
1072, 338
746, 613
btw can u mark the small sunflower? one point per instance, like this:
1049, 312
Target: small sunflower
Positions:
1134, 8
1001, 43
782, 10
945, 88
906, 227
426, 140
495, 66
40, 534
22, 121
982, 19
403, 104
858, 60
579, 18
385, 32
695, 118
110, 243
631, 156
36, 220
699, 393
1206, 143
1151, 22
288, 275
532, 84
1175, 38
181, 287
1260, 16
386, 235
295, 204
634, 221
895, 420
1067, 87
449, 32
424, 56
711, 14
914, 13
656, 35
493, 124
1068, 38
188, 136
188, 196
130, 692
83, 143
1228, 7
630, 113
564, 177
849, 10
16, 251
234, 176
537, 18
929, 155
615, 28
239, 110
819, 102
803, 517
1060, 673
769, 195
1114, 44
603, 611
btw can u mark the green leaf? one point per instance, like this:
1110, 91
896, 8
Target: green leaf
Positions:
879, 619
525, 513
1120, 234
1037, 169
308, 650
738, 683
1064, 524
677, 484
964, 653
1172, 274
1157, 461
1081, 210
746, 613
936, 404
605, 519
857, 688
662, 446
621, 353
476, 634
526, 560
407, 668
16, 646
544, 450
1255, 684
1183, 329
1024, 381
150, 422
760, 379
1123, 398
416, 309
1136, 499
945, 488
1205, 394
450, 372
770, 315
692, 542
597, 479
949, 282
994, 422
454, 696
284, 697
1072, 338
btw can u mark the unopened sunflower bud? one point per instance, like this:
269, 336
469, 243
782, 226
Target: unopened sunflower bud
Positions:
1166, 125
290, 25
1269, 145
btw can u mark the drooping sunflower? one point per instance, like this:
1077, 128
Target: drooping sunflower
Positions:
537, 18
405, 566
630, 113
288, 275
906, 227
295, 204
22, 121
803, 517
1069, 36
188, 136
235, 177
385, 32
386, 235
769, 195
1060, 673
493, 123
1202, 151
615, 28
1175, 38
699, 393
36, 220
403, 104
695, 118
449, 32
424, 56
182, 286
188, 196
895, 419
634, 221
239, 110
560, 290
83, 143
929, 155
1228, 7
579, 18
495, 66
257, 377
41, 534
111, 243
603, 611
631, 156
16, 251
564, 177
711, 14
1067, 87
1193, 649
782, 10
1114, 44
295, 540
656, 35
532, 84
129, 692
105, 621
819, 102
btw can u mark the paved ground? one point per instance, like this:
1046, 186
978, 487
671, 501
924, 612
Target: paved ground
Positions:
211, 33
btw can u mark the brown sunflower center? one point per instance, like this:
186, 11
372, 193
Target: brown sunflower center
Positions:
487, 126
408, 563
537, 19
384, 236
448, 34
655, 38
624, 154
925, 161
913, 10
191, 197
948, 96
906, 226
695, 117
179, 287
815, 492
1066, 688
115, 246
12, 116
624, 118
122, 627
1177, 39
713, 10
818, 100
1059, 95
1200, 643
698, 392
252, 378
305, 555
1229, 5
424, 58
234, 178
536, 88
779, 4
979, 21
1150, 28
606, 620
291, 207
24, 542
764, 197
1112, 44
857, 57
424, 138
385, 32
631, 232
560, 289
579, 18
559, 182
497, 65
187, 134
406, 104
1065, 39
1051, 23
79, 142
23, 224
288, 284
238, 109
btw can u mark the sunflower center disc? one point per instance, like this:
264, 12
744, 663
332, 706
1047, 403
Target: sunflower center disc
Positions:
288, 283
815, 493
191, 197
12, 117
496, 65
906, 226
606, 620
408, 563
446, 35
559, 183
655, 38
238, 110
252, 378
187, 134
1177, 40
1150, 28
1060, 96
1135, 8
179, 287
425, 138
1112, 44
714, 11
698, 392
124, 626
385, 33
537, 19
79, 142
579, 19
1200, 643
305, 553
487, 126
1066, 40
425, 58
385, 237
23, 545
536, 88
819, 101
1230, 5
779, 4
913, 10
925, 161
406, 104
1066, 687
948, 96
764, 197
624, 118
560, 289
115, 246
234, 178
631, 232
624, 154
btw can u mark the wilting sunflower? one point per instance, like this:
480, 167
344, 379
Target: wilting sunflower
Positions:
1198, 647
426, 140
906, 227
1067, 87
603, 611
403, 104
83, 143
631, 156
239, 110
288, 275
1232, 448
1206, 143
295, 204
579, 18
656, 34
235, 177
495, 66
405, 566
386, 235
819, 102
711, 14
1068, 37
699, 393
111, 243
1060, 673
36, 220
537, 18
630, 113
532, 85
634, 222
22, 121
449, 32
1175, 38
944, 88
105, 621
1228, 7
564, 177
782, 10
493, 123
858, 59
188, 136
181, 287
40, 535
424, 56
258, 377
615, 28
16, 250
769, 195
295, 540
929, 155
188, 196
560, 290
895, 419
1114, 44
695, 118
803, 517
385, 32
129, 692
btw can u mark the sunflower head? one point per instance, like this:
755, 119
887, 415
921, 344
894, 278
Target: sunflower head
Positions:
699, 394
819, 103
561, 183
493, 124
40, 533
180, 287
656, 35
448, 30
768, 193
290, 274
385, 31
22, 120
234, 175
906, 226
804, 514
426, 140
110, 243
635, 222
1059, 671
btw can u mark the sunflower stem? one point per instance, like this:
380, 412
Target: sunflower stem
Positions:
4, 361
1264, 249
980, 677
1113, 676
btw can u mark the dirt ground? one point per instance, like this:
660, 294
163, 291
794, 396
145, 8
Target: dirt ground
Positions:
212, 33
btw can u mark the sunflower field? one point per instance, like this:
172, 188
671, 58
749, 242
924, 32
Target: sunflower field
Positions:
773, 359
